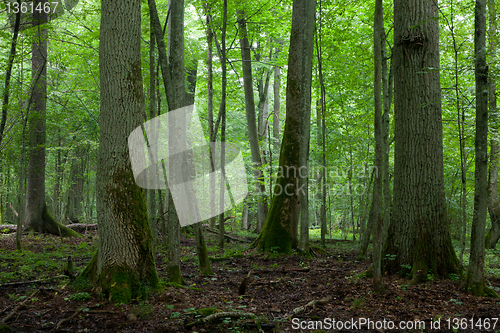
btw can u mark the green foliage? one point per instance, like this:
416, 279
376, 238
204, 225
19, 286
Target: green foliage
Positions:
143, 309
78, 297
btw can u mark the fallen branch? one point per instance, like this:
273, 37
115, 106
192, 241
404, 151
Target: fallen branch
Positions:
229, 236
13, 312
220, 315
62, 321
82, 227
19, 283
313, 303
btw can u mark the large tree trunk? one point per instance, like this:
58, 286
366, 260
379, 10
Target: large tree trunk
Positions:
251, 123
36, 217
493, 204
475, 280
124, 266
280, 229
419, 242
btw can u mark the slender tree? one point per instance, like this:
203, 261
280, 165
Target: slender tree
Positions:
493, 234
251, 122
419, 242
475, 280
376, 210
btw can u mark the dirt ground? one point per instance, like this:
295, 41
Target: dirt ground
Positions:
278, 286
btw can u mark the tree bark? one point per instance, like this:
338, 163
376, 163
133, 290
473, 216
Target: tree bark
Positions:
419, 242
124, 266
280, 229
475, 280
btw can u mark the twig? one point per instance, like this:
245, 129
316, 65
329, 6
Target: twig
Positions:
8, 284
13, 312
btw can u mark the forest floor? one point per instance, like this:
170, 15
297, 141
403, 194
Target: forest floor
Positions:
278, 286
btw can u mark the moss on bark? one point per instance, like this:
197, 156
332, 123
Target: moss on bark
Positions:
51, 226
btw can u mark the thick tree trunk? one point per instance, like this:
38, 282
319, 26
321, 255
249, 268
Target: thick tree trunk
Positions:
251, 123
280, 229
475, 280
493, 204
124, 266
419, 242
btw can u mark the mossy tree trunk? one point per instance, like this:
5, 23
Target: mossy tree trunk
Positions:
280, 229
124, 264
475, 280
419, 242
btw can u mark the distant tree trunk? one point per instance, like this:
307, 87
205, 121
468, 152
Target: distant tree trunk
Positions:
37, 217
75, 191
151, 194
280, 230
276, 109
418, 234
172, 68
376, 209
493, 204
251, 123
475, 280
8, 74
210, 103
222, 112
124, 265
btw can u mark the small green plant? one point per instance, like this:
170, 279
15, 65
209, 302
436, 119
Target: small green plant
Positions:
456, 301
78, 297
398, 298
143, 309
404, 286
408, 267
275, 265
453, 277
390, 257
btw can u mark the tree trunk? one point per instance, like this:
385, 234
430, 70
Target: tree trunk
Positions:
419, 242
124, 267
280, 229
172, 68
222, 112
475, 280
276, 106
8, 74
36, 217
376, 210
251, 123
493, 204
305, 122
